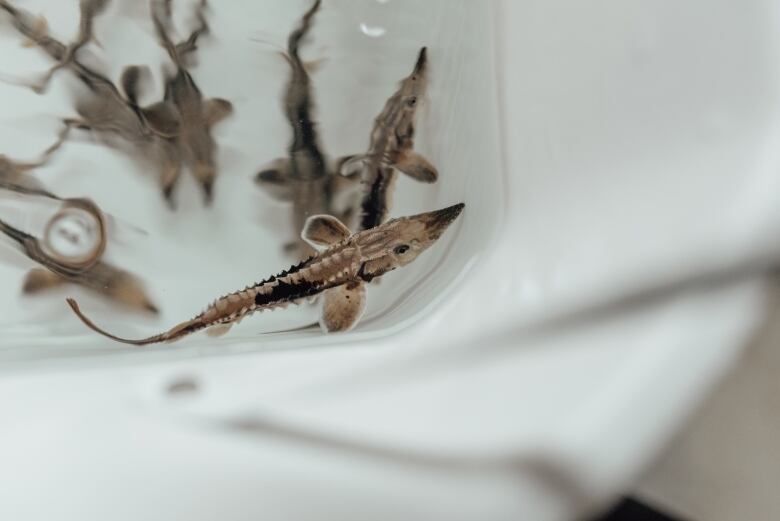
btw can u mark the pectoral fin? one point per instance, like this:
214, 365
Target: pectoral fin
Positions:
352, 172
322, 231
38, 279
218, 330
163, 118
417, 167
342, 307
126, 289
134, 81
312, 66
275, 180
340, 184
217, 109
351, 166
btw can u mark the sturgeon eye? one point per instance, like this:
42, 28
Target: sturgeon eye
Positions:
412, 101
400, 250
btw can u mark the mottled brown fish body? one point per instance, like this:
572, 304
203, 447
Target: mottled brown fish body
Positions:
347, 262
197, 116
300, 282
304, 177
391, 148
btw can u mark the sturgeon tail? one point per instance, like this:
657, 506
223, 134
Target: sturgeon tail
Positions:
171, 335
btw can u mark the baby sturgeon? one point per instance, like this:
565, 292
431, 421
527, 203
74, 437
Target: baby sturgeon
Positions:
87, 268
303, 178
106, 109
198, 116
345, 263
391, 148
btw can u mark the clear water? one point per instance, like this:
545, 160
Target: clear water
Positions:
188, 257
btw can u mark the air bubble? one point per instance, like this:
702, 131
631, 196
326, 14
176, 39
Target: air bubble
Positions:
372, 31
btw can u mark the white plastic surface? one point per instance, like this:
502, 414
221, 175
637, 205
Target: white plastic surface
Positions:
565, 342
